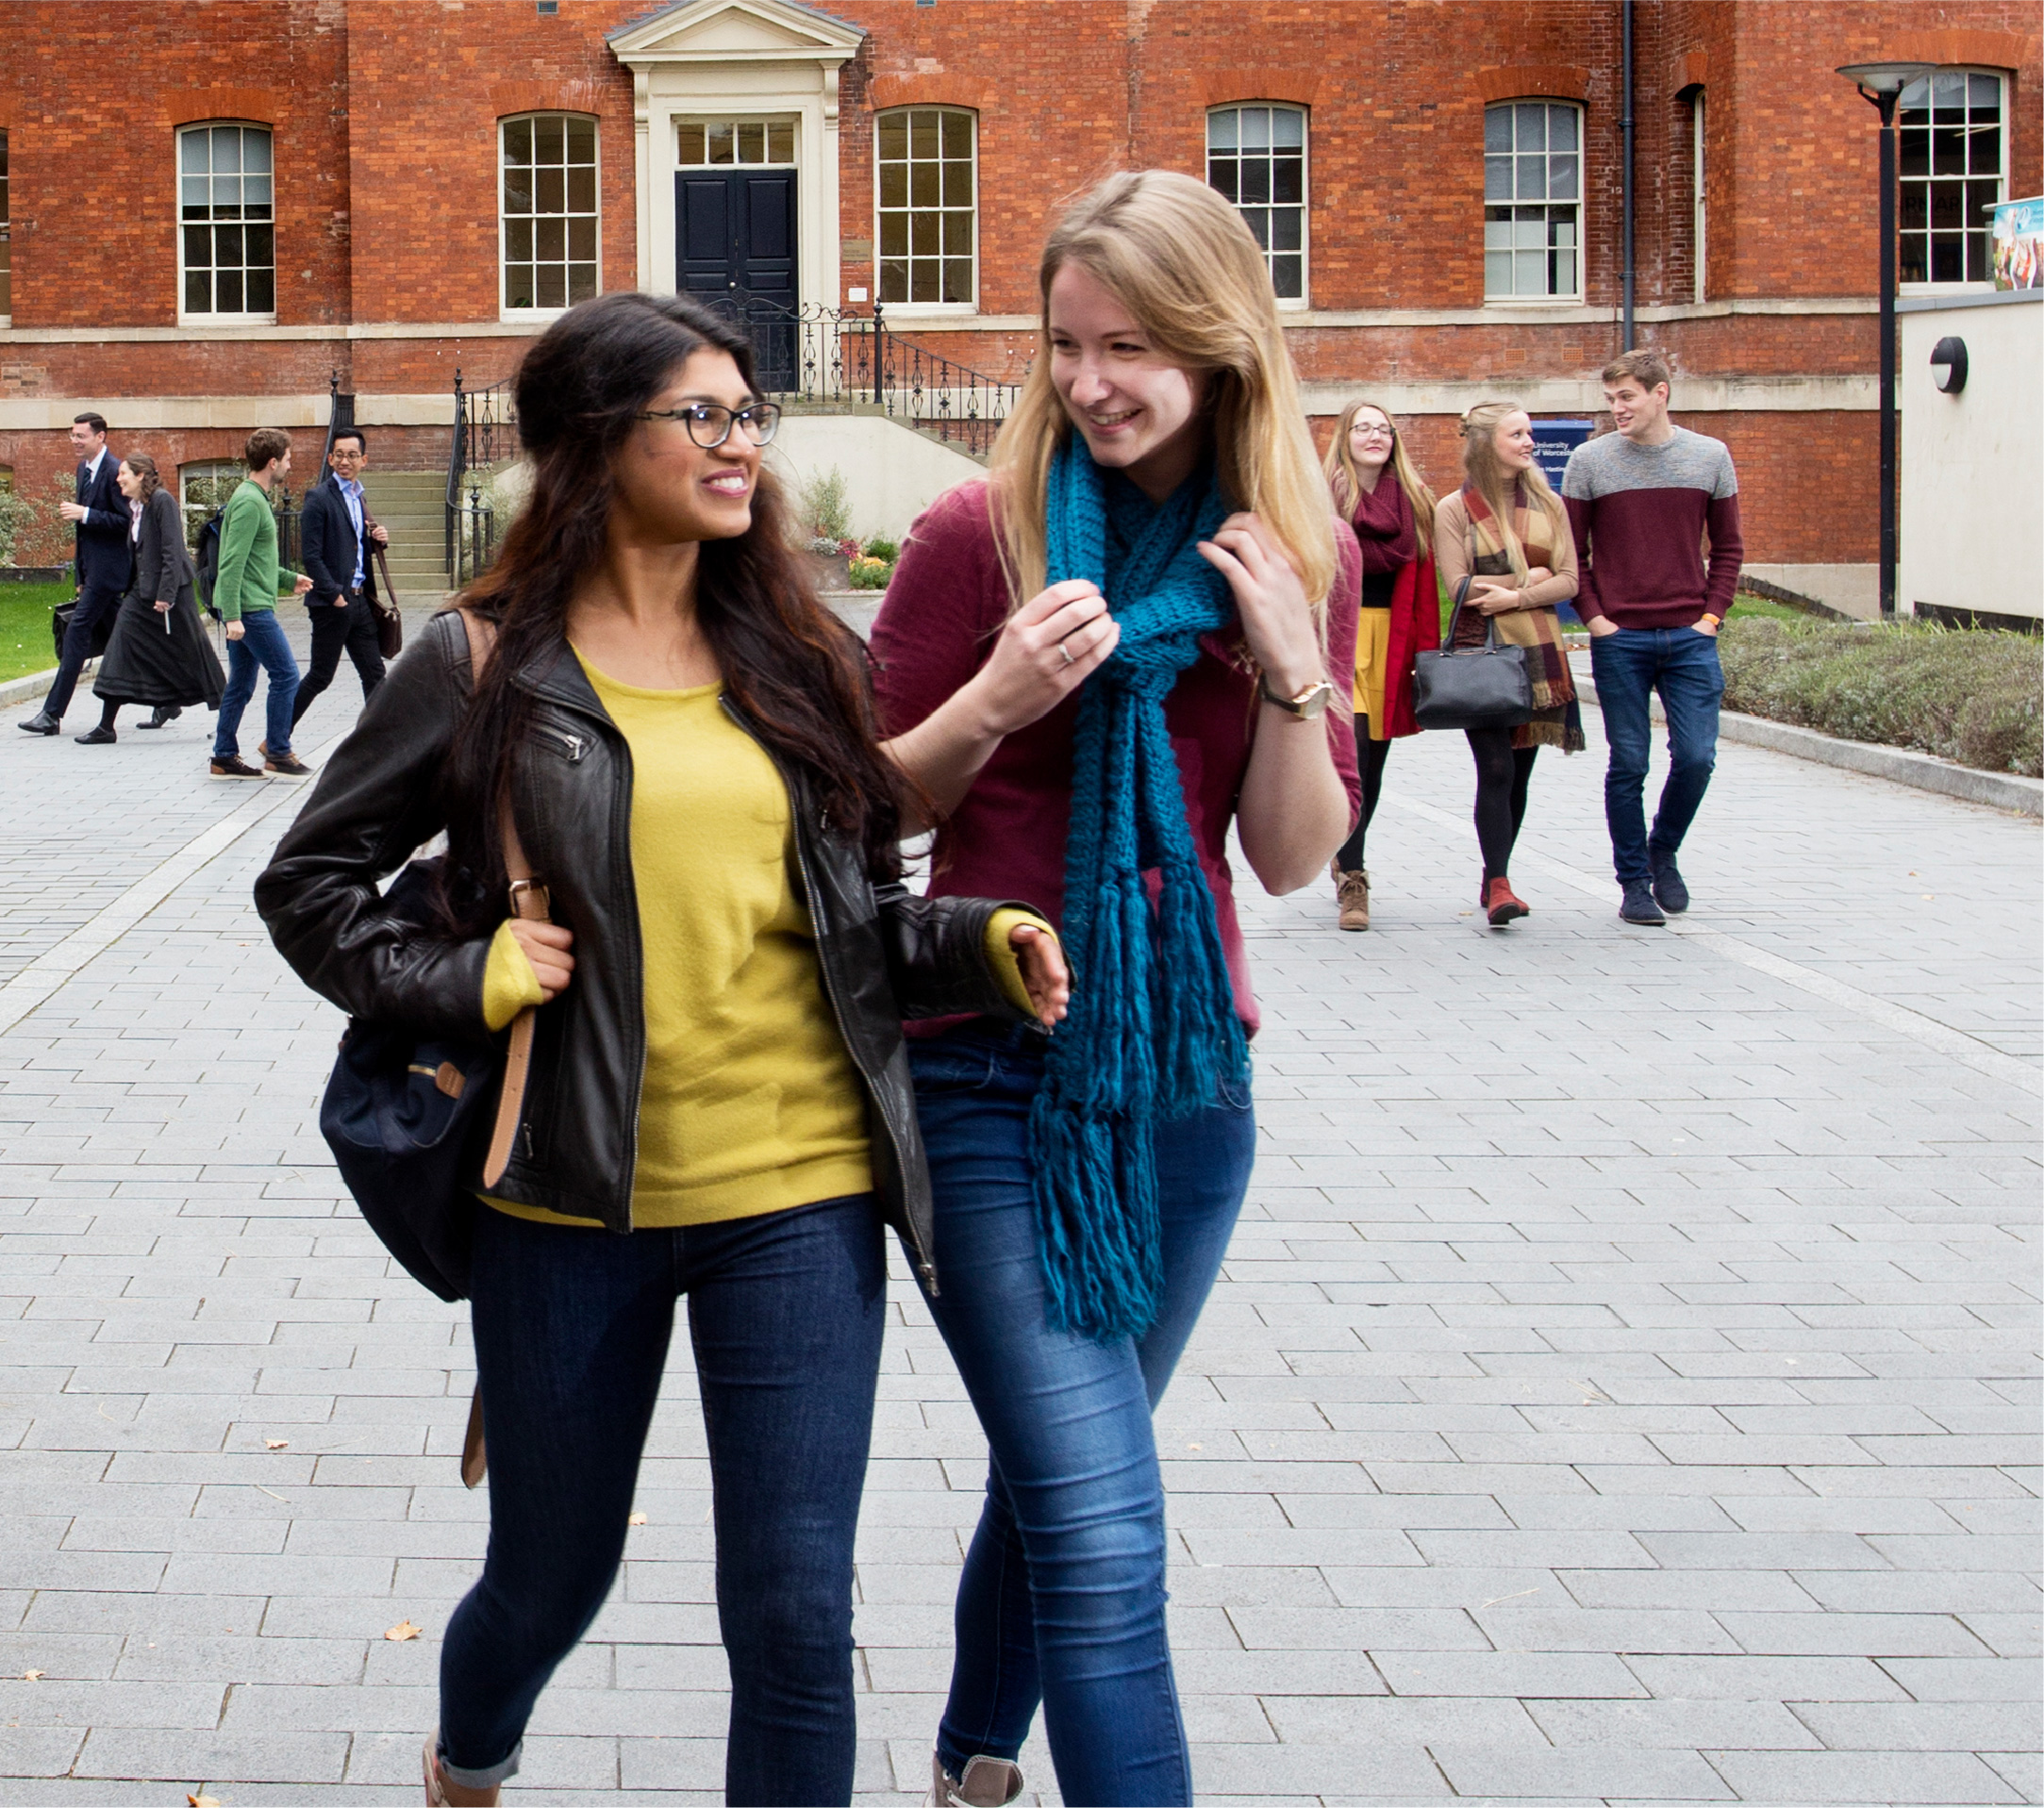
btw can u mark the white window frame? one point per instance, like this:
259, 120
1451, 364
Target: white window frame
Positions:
1303, 300
789, 122
1983, 224
504, 310
220, 470
880, 258
245, 317
1555, 298
1698, 197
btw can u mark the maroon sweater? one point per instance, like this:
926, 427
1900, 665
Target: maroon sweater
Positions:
1639, 514
944, 609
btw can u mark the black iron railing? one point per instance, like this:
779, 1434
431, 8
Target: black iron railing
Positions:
825, 356
485, 433
820, 357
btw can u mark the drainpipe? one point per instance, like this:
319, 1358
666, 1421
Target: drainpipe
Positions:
1625, 10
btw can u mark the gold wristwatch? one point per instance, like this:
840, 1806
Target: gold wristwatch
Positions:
1308, 704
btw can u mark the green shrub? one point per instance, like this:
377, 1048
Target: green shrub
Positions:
824, 503
19, 517
1968, 694
883, 549
869, 574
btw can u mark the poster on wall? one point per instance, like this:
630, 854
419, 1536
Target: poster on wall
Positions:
2018, 245
1553, 441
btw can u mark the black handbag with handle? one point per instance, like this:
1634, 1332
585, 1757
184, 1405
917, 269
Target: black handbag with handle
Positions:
1486, 687
61, 626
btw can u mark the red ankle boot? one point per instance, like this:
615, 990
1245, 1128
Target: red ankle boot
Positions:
1502, 904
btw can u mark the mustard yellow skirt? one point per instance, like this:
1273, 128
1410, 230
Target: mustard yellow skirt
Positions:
1372, 653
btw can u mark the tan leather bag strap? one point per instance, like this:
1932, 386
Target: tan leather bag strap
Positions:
528, 899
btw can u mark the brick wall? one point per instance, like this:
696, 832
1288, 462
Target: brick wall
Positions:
386, 116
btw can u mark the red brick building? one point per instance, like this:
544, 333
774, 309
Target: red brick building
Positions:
216, 208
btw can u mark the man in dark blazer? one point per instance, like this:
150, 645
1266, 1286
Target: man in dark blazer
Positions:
334, 552
101, 566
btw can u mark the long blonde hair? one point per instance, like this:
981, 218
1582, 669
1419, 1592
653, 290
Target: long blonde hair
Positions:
1489, 480
1347, 483
1180, 259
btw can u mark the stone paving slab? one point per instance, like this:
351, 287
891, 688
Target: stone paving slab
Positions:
1622, 1387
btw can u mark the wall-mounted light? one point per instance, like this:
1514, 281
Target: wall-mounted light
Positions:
1948, 365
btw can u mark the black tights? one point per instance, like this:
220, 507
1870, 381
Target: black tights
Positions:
1370, 757
1502, 772
107, 711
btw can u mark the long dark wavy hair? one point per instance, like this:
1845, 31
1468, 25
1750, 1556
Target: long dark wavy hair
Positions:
795, 672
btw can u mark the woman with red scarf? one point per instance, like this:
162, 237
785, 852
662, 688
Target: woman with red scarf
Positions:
1401, 613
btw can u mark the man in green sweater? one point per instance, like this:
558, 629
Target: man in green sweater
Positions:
244, 592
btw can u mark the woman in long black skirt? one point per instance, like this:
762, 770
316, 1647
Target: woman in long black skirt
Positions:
158, 653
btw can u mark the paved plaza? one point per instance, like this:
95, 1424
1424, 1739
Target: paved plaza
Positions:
1621, 1387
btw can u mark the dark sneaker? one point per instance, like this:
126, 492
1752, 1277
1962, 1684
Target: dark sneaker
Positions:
1638, 905
232, 766
1669, 890
100, 736
286, 766
162, 715
41, 722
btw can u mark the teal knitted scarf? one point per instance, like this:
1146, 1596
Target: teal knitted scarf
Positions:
1152, 1035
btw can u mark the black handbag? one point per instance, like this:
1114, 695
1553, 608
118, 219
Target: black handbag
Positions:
403, 1116
60, 625
1486, 687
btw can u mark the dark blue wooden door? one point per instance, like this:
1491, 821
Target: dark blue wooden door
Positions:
734, 238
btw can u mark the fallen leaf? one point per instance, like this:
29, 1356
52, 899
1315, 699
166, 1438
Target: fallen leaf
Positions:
637, 1519
31, 1676
203, 1802
277, 1443
1195, 1447
402, 1631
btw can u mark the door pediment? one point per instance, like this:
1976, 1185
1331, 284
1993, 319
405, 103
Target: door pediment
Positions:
713, 31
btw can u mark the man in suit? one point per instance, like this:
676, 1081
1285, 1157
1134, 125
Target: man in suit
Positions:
336, 554
101, 566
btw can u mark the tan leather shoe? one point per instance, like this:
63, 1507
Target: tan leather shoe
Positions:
439, 1793
988, 1783
1352, 894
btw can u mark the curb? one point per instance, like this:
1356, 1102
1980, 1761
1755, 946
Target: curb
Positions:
21, 691
1899, 764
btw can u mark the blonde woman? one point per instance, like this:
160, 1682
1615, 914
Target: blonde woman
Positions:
1400, 616
1505, 533
1094, 663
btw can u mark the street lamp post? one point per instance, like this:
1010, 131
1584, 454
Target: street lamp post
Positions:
1883, 83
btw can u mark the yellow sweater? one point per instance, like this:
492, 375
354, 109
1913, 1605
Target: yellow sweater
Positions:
750, 1102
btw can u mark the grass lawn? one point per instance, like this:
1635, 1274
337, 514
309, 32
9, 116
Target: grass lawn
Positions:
25, 626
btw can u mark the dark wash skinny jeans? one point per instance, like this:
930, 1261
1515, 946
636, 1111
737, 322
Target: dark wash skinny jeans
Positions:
572, 1329
1062, 1599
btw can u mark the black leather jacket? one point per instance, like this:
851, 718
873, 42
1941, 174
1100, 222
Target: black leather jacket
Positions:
885, 953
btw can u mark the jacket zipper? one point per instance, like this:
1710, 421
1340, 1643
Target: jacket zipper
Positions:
575, 745
924, 1266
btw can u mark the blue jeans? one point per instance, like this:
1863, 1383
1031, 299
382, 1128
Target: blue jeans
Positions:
1629, 666
263, 643
1062, 1599
571, 1326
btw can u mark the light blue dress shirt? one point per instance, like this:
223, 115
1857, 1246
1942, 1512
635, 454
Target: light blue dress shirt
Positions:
352, 494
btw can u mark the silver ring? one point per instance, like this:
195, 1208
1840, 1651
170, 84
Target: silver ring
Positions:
1066, 651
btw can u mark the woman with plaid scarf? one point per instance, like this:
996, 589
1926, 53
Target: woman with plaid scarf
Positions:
1505, 533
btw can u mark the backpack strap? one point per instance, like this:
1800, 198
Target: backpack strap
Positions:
529, 900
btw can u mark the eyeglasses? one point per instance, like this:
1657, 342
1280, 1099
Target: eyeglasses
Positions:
1373, 433
710, 425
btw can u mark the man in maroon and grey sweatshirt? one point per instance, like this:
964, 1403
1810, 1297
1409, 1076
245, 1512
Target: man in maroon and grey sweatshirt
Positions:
1641, 503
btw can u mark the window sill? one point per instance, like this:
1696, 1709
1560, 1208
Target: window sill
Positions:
930, 310
1945, 288
528, 316
225, 322
1515, 303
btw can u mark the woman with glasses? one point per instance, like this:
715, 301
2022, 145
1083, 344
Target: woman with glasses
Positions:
679, 739
1401, 613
